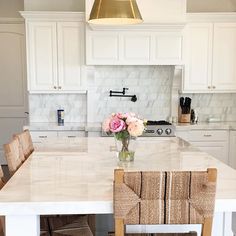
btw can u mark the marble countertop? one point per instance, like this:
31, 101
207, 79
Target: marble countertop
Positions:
96, 127
207, 125
68, 126
66, 176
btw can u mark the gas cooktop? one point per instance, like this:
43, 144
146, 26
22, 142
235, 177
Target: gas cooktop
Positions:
159, 128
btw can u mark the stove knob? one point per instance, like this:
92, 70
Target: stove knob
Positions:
168, 131
159, 131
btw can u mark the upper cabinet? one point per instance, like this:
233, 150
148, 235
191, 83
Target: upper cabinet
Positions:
209, 56
158, 41
55, 45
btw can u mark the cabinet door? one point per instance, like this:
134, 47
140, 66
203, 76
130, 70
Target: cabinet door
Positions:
102, 48
198, 57
219, 150
42, 56
232, 149
70, 54
224, 57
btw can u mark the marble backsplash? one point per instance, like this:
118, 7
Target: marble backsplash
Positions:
43, 107
220, 106
153, 86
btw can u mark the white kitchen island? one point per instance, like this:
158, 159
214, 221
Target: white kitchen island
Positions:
75, 176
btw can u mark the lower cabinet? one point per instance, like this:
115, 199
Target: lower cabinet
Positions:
213, 142
232, 149
40, 136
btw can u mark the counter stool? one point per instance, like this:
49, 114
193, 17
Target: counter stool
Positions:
14, 155
172, 198
26, 143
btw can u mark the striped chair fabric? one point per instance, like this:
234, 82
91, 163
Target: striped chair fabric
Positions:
14, 155
164, 198
26, 143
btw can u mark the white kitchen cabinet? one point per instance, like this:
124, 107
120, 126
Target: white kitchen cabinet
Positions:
210, 61
42, 56
198, 57
133, 47
42, 136
232, 149
224, 57
214, 142
54, 51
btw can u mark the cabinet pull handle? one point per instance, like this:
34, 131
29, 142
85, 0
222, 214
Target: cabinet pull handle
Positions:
43, 136
207, 135
71, 136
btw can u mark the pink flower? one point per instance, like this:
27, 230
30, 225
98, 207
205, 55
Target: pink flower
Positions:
136, 128
117, 125
130, 120
106, 125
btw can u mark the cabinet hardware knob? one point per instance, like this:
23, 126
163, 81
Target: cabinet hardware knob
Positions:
214, 87
55, 87
209, 87
207, 135
59, 87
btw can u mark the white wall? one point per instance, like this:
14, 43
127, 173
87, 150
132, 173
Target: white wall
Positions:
79, 5
211, 5
10, 8
54, 5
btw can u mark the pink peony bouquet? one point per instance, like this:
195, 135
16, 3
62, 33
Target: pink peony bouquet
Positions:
124, 125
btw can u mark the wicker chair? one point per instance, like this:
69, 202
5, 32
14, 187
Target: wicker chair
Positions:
14, 155
26, 143
144, 198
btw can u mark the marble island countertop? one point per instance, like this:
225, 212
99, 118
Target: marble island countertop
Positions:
59, 180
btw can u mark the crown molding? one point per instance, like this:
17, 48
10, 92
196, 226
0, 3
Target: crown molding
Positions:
211, 17
53, 16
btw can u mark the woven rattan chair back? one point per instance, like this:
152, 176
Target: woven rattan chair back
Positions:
25, 142
143, 198
14, 155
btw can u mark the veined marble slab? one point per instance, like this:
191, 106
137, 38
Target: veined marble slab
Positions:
67, 182
207, 125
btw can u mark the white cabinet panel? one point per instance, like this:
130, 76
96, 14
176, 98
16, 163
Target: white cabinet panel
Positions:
168, 49
198, 56
232, 150
102, 48
40, 136
42, 55
70, 46
224, 56
71, 134
137, 48
133, 48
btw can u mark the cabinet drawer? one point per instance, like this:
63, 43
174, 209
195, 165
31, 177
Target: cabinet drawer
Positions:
71, 134
39, 136
208, 135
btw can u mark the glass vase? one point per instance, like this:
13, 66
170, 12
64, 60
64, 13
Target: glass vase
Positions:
125, 149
